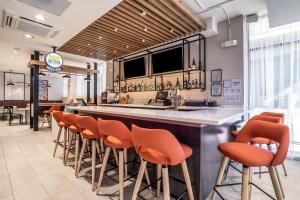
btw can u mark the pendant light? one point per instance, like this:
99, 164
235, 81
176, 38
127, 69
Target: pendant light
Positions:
42, 74
66, 76
87, 78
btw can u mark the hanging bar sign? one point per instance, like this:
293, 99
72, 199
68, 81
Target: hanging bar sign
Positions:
54, 62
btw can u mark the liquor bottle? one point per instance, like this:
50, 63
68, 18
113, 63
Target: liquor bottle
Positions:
196, 83
143, 86
185, 83
177, 83
188, 85
193, 84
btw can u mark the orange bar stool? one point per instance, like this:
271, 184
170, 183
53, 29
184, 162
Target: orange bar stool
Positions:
160, 147
252, 156
58, 116
116, 136
47, 114
89, 133
71, 120
268, 117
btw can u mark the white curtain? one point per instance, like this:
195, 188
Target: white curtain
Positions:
274, 72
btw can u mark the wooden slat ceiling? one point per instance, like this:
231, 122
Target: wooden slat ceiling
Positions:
134, 25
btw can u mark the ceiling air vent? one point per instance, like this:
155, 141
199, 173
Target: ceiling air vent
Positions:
25, 25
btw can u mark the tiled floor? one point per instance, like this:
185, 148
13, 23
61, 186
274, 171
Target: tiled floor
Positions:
28, 171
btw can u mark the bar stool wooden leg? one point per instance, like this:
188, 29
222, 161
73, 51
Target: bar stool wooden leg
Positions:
275, 183
65, 143
166, 186
81, 156
125, 163
139, 179
93, 163
220, 175
103, 166
187, 180
57, 140
158, 176
68, 147
76, 151
116, 156
148, 178
121, 173
250, 181
260, 171
98, 151
279, 182
245, 183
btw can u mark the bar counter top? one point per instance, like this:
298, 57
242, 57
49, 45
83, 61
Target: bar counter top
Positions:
204, 116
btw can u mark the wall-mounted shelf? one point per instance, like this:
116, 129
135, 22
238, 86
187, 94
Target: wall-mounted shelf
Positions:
193, 62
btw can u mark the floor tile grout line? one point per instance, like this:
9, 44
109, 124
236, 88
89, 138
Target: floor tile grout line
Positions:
54, 166
31, 165
12, 191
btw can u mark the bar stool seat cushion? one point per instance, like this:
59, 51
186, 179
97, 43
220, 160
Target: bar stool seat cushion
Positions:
246, 154
89, 134
61, 124
116, 143
157, 157
74, 129
261, 140
47, 111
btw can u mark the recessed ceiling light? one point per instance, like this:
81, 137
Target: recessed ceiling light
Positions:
40, 17
104, 55
115, 29
171, 30
79, 49
143, 13
89, 45
145, 29
127, 46
143, 40
99, 37
115, 51
28, 36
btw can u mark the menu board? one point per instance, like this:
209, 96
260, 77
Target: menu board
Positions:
232, 90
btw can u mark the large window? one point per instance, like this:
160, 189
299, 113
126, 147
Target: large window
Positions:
274, 72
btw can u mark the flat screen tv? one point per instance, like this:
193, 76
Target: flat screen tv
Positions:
134, 68
167, 61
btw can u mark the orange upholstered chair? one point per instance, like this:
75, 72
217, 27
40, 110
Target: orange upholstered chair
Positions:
116, 136
47, 114
160, 147
252, 156
268, 117
90, 132
74, 131
58, 116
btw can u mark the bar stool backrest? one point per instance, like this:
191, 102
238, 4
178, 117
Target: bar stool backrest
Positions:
88, 123
70, 119
269, 130
58, 116
159, 140
54, 108
274, 114
267, 118
116, 129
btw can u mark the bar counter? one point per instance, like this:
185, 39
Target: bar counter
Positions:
201, 129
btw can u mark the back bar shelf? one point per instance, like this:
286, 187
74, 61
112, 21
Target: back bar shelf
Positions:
192, 76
